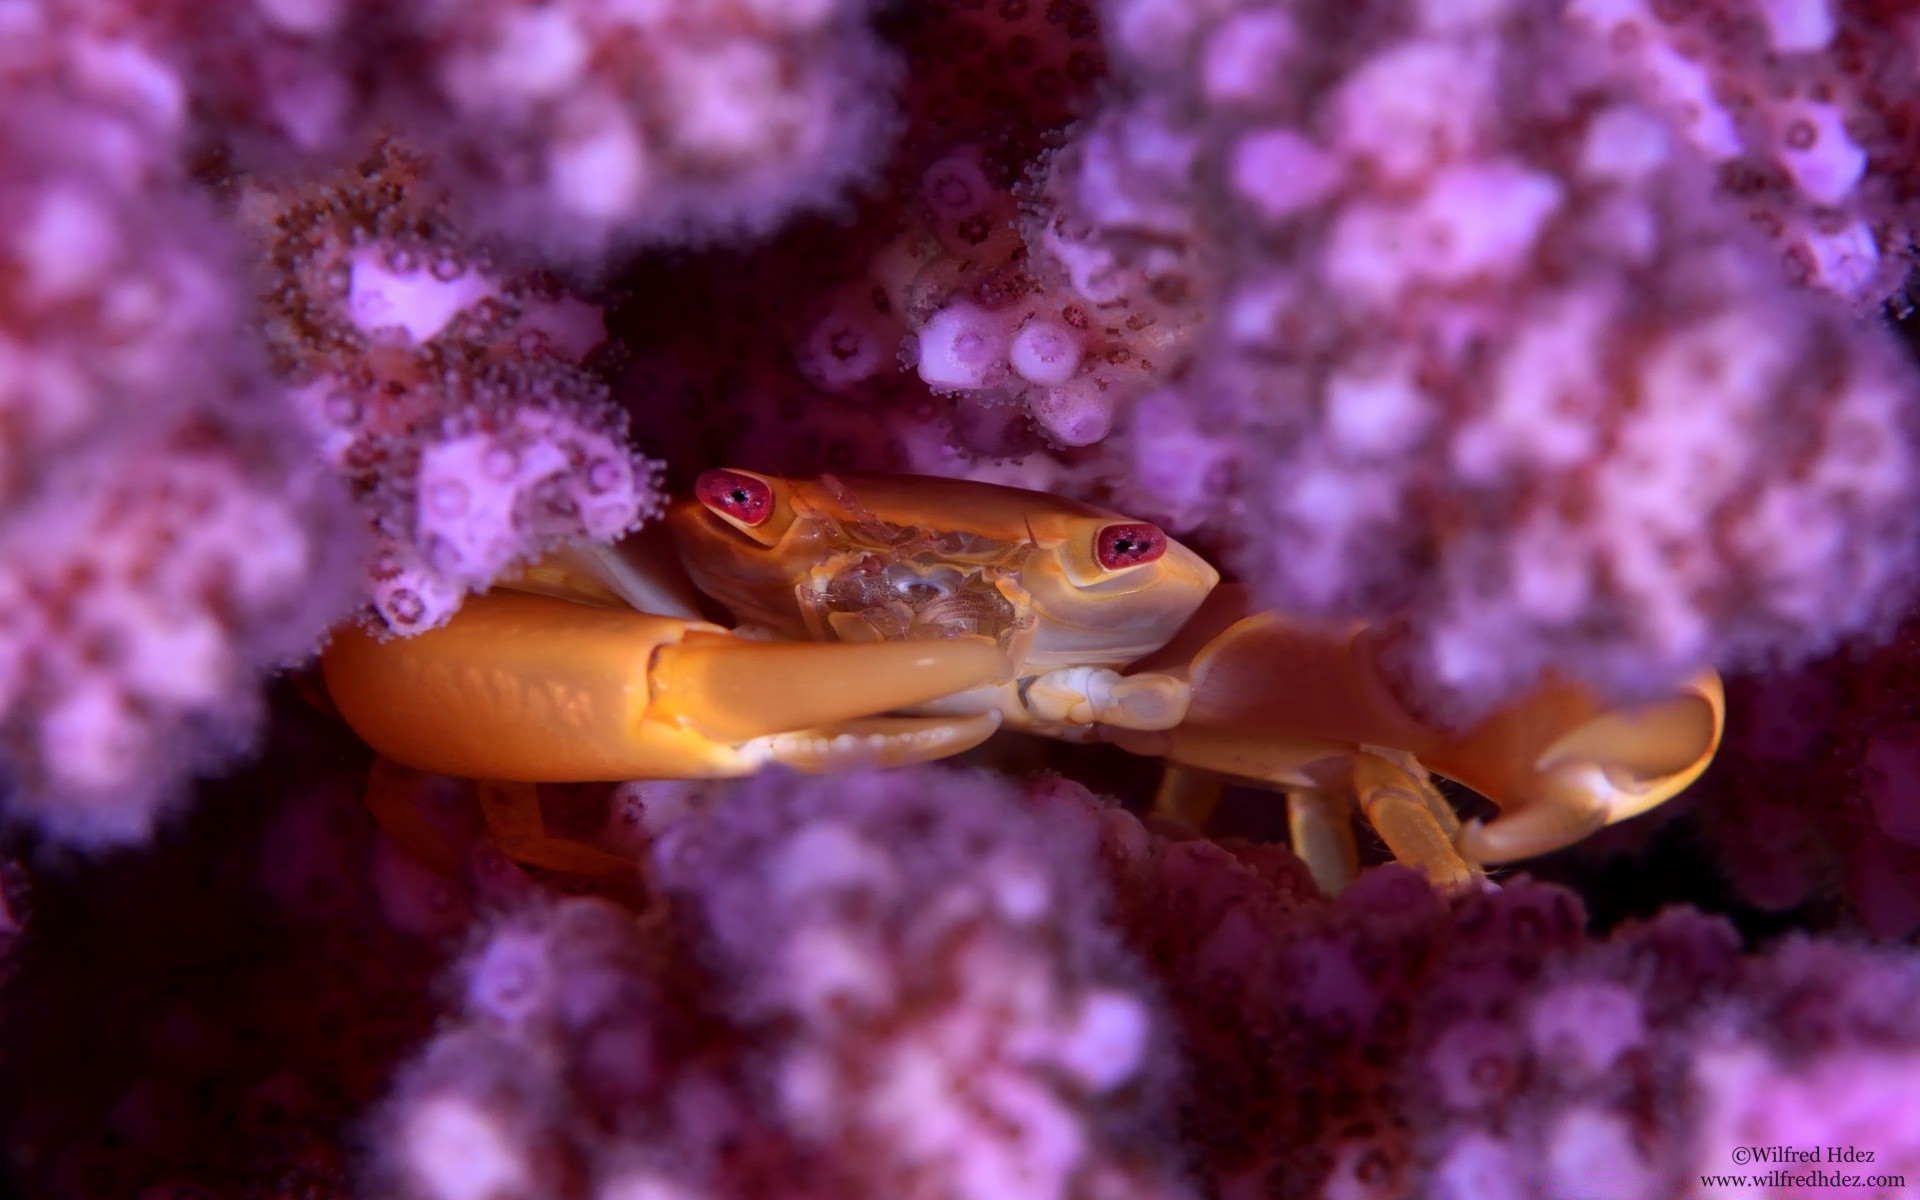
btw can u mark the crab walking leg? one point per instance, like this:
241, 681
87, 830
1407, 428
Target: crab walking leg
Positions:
1441, 811
1395, 803
1320, 822
1187, 795
1305, 704
391, 793
512, 813
532, 688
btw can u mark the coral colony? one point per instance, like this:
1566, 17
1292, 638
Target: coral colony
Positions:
1553, 335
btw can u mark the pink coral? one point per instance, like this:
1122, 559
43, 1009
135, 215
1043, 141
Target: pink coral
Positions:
1815, 797
877, 985
584, 127
1804, 109
1497, 358
270, 82
164, 536
446, 389
578, 131
987, 87
1398, 1042
1449, 311
1047, 323
843, 994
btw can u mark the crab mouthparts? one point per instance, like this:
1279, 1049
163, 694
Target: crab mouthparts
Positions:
871, 599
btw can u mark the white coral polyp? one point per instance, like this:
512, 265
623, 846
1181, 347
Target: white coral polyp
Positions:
455, 1150
541, 54
1377, 414
1247, 55
961, 346
601, 174
1473, 220
94, 742
1079, 413
1106, 1042
1045, 352
415, 300
471, 488
1279, 172
729, 103
832, 974
1817, 150
1847, 262
67, 244
1798, 26
1411, 110
1625, 143
1484, 219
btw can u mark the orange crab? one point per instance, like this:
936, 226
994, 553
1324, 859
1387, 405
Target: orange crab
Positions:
897, 619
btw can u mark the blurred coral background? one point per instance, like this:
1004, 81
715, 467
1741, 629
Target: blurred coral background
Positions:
1570, 335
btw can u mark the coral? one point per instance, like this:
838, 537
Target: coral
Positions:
1804, 109
883, 984
1469, 317
1399, 1042
447, 390
576, 131
1494, 355
929, 983
989, 291
583, 127
272, 84
1815, 796
987, 89
1048, 323
165, 537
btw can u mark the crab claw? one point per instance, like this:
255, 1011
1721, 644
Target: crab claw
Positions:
524, 687
878, 742
1561, 766
1305, 707
732, 689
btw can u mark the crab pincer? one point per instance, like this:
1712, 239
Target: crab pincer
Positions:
535, 688
1306, 707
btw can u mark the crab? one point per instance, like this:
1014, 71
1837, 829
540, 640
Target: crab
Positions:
898, 619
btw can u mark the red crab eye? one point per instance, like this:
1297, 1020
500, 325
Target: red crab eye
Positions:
731, 494
1129, 545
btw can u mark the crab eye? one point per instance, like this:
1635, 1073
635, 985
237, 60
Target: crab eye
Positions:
732, 494
1120, 546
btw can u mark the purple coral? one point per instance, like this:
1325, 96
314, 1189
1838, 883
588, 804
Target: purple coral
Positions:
1471, 316
447, 390
585, 127
892, 984
578, 131
1399, 1042
164, 535
1803, 108
1046, 324
1498, 356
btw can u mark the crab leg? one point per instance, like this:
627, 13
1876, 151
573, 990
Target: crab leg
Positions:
512, 813
534, 688
1300, 705
1396, 803
1187, 795
391, 790
1320, 822
1561, 765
